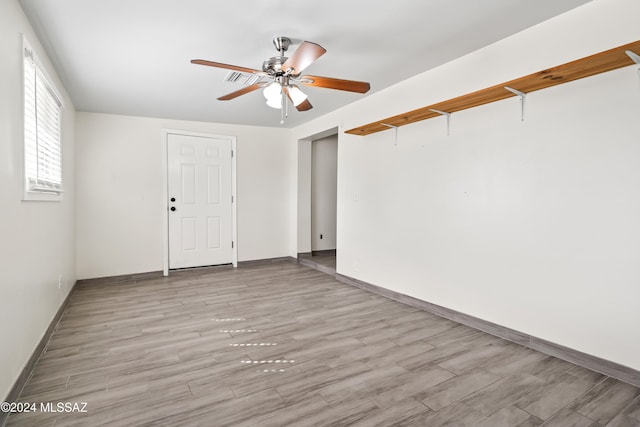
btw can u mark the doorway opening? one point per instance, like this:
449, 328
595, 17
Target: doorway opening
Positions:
317, 200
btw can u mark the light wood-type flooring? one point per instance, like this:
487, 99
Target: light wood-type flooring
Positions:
327, 260
283, 344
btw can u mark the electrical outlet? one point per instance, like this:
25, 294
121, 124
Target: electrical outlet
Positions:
60, 281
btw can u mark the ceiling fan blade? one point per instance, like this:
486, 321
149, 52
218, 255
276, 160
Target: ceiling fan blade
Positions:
339, 84
242, 91
304, 106
303, 56
226, 66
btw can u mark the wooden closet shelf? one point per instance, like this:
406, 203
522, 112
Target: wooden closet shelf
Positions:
585, 67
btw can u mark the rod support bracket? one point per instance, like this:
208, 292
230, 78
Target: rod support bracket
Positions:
395, 130
447, 115
523, 99
635, 58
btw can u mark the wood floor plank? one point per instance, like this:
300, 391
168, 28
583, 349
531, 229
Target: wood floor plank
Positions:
284, 344
289, 415
568, 418
545, 401
407, 412
630, 416
547, 368
473, 359
506, 417
603, 402
411, 385
371, 382
400, 355
456, 415
502, 393
434, 356
456, 388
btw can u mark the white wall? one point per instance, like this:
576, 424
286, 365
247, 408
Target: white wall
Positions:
324, 192
532, 225
37, 241
120, 191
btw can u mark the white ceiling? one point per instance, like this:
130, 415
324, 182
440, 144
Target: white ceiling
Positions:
132, 56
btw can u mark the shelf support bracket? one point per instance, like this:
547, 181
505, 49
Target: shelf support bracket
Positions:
523, 100
448, 115
395, 130
635, 58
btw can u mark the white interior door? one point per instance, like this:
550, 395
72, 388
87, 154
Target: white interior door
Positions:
200, 201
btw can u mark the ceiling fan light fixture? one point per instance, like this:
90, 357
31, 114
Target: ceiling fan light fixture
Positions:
297, 96
275, 103
273, 94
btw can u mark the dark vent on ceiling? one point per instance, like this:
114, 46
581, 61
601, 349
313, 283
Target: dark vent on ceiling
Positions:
242, 78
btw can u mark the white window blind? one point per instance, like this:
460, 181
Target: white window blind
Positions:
42, 134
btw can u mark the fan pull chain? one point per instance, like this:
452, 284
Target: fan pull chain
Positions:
283, 103
286, 104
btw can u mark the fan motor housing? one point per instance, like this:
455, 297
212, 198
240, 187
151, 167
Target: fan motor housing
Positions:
273, 65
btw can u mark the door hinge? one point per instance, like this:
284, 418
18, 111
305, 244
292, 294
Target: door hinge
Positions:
231, 199
232, 153
232, 244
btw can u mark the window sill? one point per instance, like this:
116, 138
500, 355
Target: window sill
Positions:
37, 196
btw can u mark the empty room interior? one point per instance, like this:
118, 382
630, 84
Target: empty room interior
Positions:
341, 213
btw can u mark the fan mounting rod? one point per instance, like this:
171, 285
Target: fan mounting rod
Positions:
282, 44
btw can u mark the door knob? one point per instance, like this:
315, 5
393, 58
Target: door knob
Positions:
173, 208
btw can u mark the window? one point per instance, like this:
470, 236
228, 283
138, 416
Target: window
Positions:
42, 132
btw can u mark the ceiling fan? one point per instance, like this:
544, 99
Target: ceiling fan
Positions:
280, 74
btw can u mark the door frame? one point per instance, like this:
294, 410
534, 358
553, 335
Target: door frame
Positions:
303, 194
165, 190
